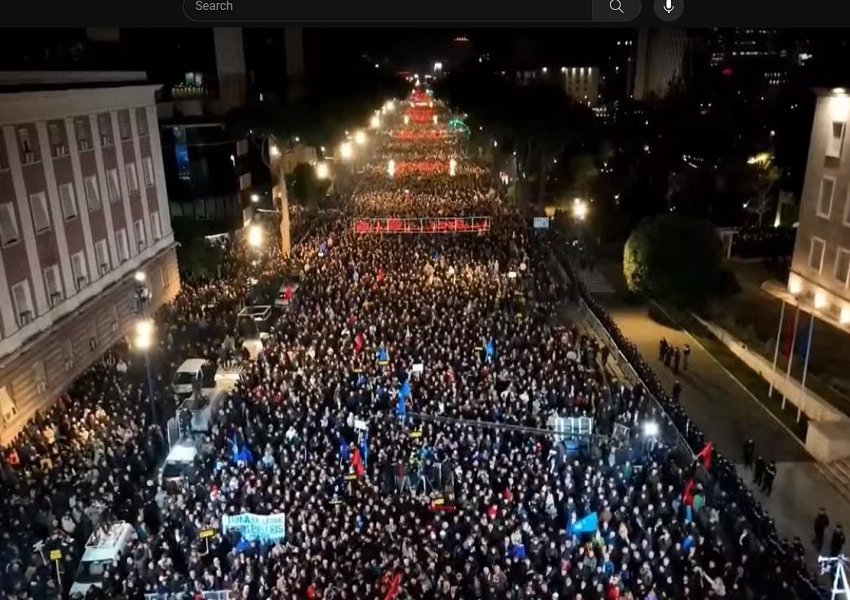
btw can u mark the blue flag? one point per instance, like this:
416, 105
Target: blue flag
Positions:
404, 390
587, 524
489, 350
382, 356
344, 450
364, 448
323, 249
244, 455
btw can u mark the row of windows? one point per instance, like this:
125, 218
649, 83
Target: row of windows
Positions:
81, 274
826, 200
57, 134
841, 267
10, 232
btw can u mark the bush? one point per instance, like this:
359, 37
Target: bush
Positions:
674, 258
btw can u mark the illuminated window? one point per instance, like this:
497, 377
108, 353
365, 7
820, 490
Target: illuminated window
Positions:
816, 250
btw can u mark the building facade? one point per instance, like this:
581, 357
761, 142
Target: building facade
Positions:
582, 84
83, 209
660, 62
820, 266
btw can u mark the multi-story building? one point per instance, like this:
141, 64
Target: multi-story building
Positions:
83, 213
820, 267
582, 84
661, 62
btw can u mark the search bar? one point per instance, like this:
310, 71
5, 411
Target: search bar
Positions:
391, 11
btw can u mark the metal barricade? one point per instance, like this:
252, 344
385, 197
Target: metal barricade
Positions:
210, 595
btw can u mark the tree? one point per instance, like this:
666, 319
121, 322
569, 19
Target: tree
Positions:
674, 258
763, 178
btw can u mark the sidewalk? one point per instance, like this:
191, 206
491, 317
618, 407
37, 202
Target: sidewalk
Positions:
728, 415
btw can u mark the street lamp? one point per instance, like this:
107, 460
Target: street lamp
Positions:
274, 151
580, 209
322, 170
435, 119
255, 236
345, 150
651, 429
452, 167
375, 122
406, 120
140, 276
391, 167
360, 137
144, 342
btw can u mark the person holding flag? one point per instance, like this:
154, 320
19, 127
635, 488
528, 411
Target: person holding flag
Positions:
364, 447
489, 350
401, 400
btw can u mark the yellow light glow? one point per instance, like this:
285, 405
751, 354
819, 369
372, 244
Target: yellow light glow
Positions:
580, 209
435, 119
274, 151
820, 300
323, 171
255, 236
839, 91
391, 167
140, 276
375, 122
845, 315
452, 167
795, 285
760, 159
144, 328
143, 342
839, 107
345, 150
360, 137
406, 120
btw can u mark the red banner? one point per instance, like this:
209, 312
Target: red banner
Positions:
424, 225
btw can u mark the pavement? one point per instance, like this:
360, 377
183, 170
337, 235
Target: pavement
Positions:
729, 414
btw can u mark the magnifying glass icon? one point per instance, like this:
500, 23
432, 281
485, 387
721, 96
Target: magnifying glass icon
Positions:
616, 5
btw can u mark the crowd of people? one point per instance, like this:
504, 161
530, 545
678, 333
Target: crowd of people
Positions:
400, 415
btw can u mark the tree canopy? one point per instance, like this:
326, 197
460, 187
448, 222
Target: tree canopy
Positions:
674, 258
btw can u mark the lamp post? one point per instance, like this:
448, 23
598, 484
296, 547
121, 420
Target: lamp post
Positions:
144, 341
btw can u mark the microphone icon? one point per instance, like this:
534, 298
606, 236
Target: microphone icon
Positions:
668, 6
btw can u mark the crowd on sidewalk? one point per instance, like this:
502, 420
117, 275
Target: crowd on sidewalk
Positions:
397, 417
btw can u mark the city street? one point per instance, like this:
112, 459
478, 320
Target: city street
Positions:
729, 414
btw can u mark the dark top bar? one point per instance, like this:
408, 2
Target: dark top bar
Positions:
552, 13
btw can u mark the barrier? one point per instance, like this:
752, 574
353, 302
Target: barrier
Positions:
210, 595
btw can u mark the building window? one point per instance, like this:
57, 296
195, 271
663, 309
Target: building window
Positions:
147, 171
69, 203
123, 246
124, 129
156, 227
92, 193
139, 229
8, 408
53, 284
842, 265
8, 224
56, 139
23, 302
836, 140
83, 137
132, 177
827, 190
40, 216
816, 250
163, 277
25, 146
39, 376
112, 185
81, 273
105, 128
101, 255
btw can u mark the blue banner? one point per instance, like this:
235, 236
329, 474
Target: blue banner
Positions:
259, 528
587, 524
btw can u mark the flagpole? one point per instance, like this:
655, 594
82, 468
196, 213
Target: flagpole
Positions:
776, 349
791, 353
806, 367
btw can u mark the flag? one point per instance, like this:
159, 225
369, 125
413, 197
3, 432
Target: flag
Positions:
357, 463
802, 340
382, 356
394, 585
489, 350
689, 514
364, 447
688, 493
358, 342
404, 391
379, 277
587, 524
401, 406
234, 447
704, 455
788, 333
344, 450
323, 249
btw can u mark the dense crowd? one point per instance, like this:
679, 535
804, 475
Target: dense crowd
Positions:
400, 416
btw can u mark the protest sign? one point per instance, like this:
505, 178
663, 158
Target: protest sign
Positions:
262, 528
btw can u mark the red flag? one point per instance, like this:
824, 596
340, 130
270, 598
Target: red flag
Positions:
789, 333
688, 493
357, 463
358, 342
392, 591
704, 455
380, 275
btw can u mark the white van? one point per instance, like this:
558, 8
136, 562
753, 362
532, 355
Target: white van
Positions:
190, 371
105, 545
179, 460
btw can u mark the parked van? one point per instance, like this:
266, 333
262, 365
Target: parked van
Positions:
189, 373
180, 460
104, 546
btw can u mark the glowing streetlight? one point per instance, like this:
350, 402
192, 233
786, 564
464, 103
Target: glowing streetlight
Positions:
322, 170
452, 167
143, 342
255, 197
375, 122
346, 151
274, 151
580, 209
144, 332
360, 137
435, 119
255, 236
140, 276
391, 168
820, 300
406, 120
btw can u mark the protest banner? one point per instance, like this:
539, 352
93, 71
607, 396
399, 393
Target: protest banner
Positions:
262, 528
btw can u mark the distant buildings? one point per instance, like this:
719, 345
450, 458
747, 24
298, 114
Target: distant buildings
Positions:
85, 241
582, 84
660, 62
820, 268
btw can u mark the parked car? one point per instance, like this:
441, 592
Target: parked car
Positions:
103, 547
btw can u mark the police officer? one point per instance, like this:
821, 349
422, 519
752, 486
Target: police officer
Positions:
677, 390
821, 523
758, 476
749, 451
769, 476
